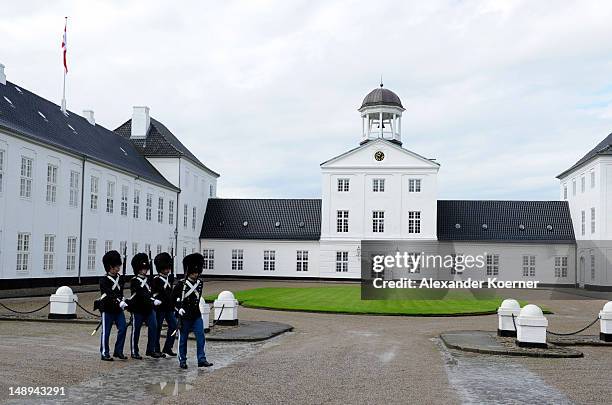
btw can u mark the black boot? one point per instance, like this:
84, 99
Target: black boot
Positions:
204, 364
137, 356
169, 352
155, 355
106, 358
183, 365
120, 356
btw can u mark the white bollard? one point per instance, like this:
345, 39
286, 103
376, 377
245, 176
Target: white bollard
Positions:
63, 305
205, 310
506, 310
226, 309
605, 321
531, 327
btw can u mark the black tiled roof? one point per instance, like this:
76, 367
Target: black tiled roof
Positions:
40, 120
603, 148
160, 142
503, 220
299, 219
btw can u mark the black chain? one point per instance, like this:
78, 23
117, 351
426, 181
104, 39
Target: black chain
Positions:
220, 313
574, 333
25, 312
86, 311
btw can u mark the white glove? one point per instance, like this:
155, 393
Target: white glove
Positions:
123, 305
181, 312
156, 302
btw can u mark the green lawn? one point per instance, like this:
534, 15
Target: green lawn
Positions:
347, 299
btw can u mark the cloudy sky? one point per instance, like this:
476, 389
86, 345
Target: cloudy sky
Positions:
504, 94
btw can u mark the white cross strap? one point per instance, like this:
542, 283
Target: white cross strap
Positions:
166, 283
192, 288
115, 282
143, 283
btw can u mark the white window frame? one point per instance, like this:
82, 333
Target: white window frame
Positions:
75, 186
171, 212
71, 245
529, 265
573, 187
136, 204
593, 263
108, 245
147, 248
134, 248
593, 179
414, 185
194, 217
209, 259
561, 266
583, 222
160, 210
49, 253
149, 206
23, 251
92, 245
269, 260
185, 215
378, 221
51, 195
26, 179
343, 185
301, 260
342, 261
492, 264
342, 221
159, 249
110, 197
592, 219
125, 191
582, 184
565, 191
94, 190
378, 185
237, 259
414, 222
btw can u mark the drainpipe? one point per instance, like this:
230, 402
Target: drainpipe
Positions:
176, 223
81, 220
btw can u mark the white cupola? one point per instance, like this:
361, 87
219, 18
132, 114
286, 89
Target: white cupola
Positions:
381, 116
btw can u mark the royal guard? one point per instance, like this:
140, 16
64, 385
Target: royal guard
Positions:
162, 291
141, 305
111, 305
186, 295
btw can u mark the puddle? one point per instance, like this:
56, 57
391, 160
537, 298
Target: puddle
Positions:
170, 388
480, 378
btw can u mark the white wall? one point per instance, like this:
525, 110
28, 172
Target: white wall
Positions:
253, 253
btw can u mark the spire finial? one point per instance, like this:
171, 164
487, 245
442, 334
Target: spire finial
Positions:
381, 82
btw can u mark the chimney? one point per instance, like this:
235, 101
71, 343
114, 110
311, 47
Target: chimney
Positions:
2, 74
89, 116
140, 122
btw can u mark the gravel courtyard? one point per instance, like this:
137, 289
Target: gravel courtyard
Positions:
326, 359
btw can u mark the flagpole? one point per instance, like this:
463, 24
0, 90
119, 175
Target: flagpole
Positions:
64, 55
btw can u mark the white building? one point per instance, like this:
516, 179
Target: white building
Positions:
587, 187
70, 190
381, 193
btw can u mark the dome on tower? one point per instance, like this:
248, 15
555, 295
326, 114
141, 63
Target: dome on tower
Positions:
381, 96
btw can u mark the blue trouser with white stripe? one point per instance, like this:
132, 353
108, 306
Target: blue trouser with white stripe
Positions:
151, 331
108, 319
171, 322
197, 326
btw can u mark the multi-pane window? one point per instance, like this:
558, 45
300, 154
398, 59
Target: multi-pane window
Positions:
302, 260
51, 184
454, 262
91, 254
75, 179
414, 221
593, 220
184, 251
378, 185
343, 185
211, 191
134, 248
269, 260
582, 184
414, 185
209, 259
23, 251
25, 186
124, 200
592, 179
110, 197
171, 212
193, 218
529, 263
237, 259
342, 221
1, 170
160, 210
583, 222
592, 267
136, 207
560, 266
378, 221
159, 249
147, 248
492, 265
149, 206
565, 191
49, 253
94, 189
123, 247
342, 262
71, 253
574, 187
108, 245
185, 216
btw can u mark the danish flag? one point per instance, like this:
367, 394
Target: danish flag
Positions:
65, 46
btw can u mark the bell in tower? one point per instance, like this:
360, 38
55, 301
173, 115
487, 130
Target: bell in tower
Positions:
381, 116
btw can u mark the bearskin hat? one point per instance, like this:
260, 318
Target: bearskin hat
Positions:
140, 261
193, 263
162, 261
